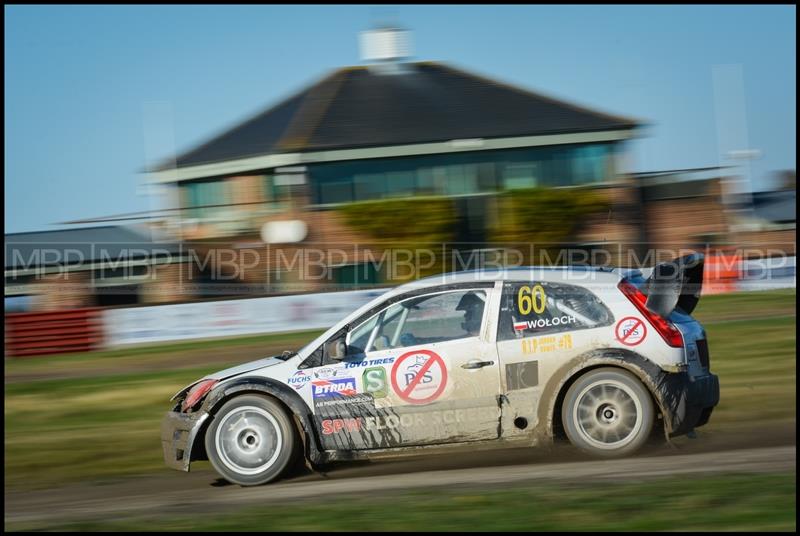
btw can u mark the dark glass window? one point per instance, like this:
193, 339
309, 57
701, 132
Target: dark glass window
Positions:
336, 192
400, 183
539, 308
590, 163
206, 194
276, 193
459, 173
423, 319
369, 186
487, 179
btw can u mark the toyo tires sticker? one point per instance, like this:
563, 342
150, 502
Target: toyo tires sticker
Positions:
631, 331
419, 377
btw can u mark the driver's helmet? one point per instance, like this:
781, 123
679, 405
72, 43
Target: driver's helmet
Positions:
472, 304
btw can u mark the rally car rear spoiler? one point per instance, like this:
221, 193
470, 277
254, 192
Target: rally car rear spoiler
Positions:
675, 284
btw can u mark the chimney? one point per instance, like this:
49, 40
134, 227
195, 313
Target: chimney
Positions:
385, 49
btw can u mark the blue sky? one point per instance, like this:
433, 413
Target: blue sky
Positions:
94, 93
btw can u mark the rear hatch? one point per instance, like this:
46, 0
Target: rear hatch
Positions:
673, 291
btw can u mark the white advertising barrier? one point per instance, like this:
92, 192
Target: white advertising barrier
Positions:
278, 314
766, 274
226, 318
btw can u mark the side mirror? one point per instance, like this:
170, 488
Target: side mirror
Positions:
336, 349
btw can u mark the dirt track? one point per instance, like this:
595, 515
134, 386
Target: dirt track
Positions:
201, 490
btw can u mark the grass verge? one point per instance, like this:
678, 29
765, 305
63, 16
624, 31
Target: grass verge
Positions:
722, 502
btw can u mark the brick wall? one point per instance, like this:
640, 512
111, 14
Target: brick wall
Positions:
687, 221
169, 283
779, 240
58, 292
280, 264
618, 229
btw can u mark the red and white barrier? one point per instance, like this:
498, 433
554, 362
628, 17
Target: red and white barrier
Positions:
75, 330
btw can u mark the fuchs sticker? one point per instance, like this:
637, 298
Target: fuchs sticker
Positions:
419, 377
544, 323
299, 379
631, 331
333, 388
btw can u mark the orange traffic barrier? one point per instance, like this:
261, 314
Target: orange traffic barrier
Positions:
721, 273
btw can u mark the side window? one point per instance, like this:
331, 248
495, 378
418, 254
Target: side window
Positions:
538, 308
359, 337
313, 360
421, 320
322, 355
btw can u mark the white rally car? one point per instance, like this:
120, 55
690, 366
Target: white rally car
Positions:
484, 358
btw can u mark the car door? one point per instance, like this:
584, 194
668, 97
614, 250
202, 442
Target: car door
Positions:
541, 326
424, 370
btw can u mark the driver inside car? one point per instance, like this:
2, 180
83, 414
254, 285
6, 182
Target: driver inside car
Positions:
472, 305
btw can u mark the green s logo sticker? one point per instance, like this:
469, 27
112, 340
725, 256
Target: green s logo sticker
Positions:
375, 382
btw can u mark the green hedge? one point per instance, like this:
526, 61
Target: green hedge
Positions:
544, 216
417, 220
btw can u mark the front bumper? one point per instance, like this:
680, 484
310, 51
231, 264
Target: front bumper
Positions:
178, 434
688, 400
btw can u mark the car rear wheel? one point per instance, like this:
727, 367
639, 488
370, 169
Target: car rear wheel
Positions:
251, 440
607, 412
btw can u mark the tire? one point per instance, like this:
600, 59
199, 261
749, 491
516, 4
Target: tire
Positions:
251, 440
608, 413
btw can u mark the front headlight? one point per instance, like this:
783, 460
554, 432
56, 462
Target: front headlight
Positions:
197, 393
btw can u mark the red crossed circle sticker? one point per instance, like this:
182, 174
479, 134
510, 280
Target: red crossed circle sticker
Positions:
631, 331
419, 377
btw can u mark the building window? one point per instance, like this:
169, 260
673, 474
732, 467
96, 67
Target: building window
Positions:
560, 164
464, 173
369, 186
524, 175
278, 193
590, 163
201, 196
461, 179
401, 183
426, 181
336, 192
487, 177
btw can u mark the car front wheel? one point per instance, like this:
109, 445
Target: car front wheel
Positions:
251, 440
607, 412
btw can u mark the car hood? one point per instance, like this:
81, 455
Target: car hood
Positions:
246, 367
231, 372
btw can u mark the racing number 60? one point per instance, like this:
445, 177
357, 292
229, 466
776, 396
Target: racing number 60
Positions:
531, 300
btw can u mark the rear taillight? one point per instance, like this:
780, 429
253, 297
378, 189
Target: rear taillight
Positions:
197, 393
664, 327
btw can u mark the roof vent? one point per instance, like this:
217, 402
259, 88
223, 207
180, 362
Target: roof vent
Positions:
385, 48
